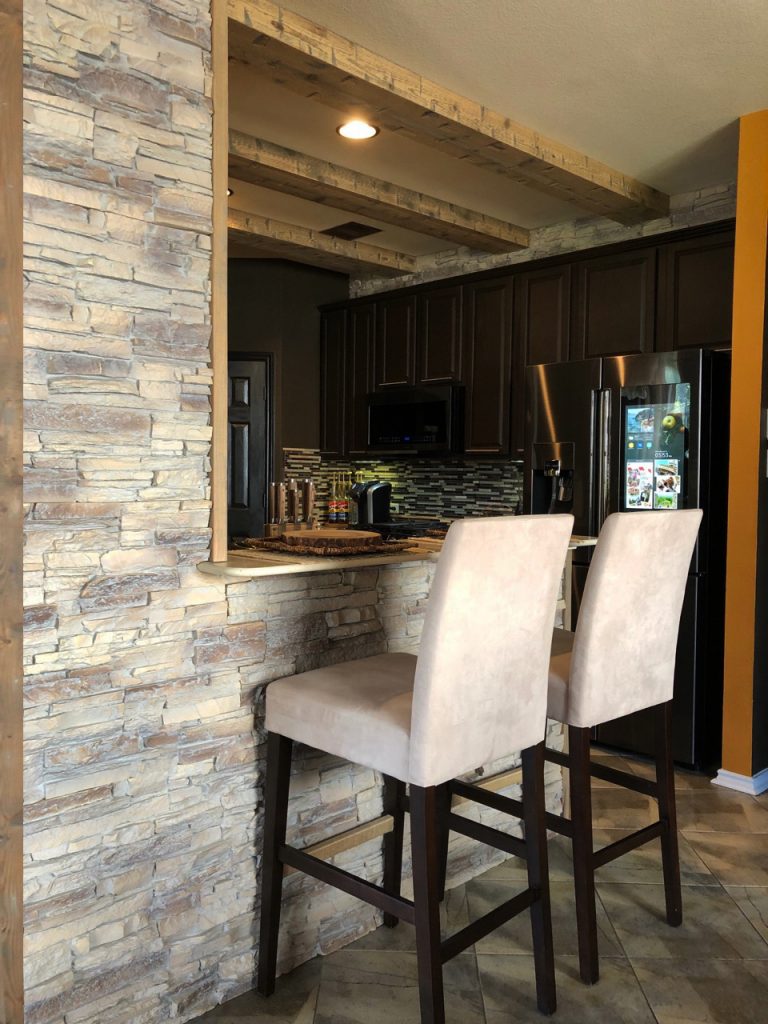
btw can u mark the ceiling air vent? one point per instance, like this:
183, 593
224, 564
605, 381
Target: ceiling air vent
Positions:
351, 231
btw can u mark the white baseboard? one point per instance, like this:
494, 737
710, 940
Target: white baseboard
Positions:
752, 784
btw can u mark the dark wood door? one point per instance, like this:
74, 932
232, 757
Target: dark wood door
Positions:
438, 336
542, 331
696, 292
359, 371
395, 350
543, 315
333, 328
614, 305
248, 454
488, 366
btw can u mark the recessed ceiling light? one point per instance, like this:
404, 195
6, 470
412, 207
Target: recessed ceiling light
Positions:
357, 130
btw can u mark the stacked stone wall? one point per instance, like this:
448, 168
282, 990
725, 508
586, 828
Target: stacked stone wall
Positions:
136, 731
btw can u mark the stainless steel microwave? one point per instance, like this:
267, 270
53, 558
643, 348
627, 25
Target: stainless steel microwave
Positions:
416, 421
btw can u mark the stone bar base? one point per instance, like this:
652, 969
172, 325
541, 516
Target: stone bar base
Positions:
317, 620
145, 778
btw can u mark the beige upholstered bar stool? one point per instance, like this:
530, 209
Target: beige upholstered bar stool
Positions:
621, 659
477, 692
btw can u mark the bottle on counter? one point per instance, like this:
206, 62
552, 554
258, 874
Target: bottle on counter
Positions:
308, 494
292, 500
333, 507
342, 501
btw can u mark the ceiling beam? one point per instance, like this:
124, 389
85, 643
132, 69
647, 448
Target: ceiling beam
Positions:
324, 66
289, 241
265, 163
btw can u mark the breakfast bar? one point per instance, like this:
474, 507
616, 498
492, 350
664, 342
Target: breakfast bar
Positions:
295, 613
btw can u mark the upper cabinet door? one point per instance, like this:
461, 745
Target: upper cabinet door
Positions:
438, 336
696, 292
543, 315
488, 365
332, 381
395, 359
615, 305
359, 368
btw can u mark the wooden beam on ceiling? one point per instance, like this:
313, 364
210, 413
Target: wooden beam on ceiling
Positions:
265, 163
319, 64
290, 241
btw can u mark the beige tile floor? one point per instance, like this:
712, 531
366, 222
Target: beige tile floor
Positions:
712, 970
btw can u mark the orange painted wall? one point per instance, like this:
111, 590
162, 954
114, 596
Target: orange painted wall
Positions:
746, 440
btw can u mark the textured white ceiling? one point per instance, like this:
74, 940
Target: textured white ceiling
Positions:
652, 87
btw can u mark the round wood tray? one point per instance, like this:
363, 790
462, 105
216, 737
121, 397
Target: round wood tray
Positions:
330, 536
328, 550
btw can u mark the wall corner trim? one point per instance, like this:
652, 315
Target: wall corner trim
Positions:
752, 784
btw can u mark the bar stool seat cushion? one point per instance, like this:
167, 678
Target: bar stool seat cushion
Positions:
359, 710
559, 674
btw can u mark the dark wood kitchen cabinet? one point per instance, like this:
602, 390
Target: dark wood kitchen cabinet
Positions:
614, 305
488, 366
438, 336
333, 334
669, 292
543, 315
361, 324
395, 345
695, 300
346, 378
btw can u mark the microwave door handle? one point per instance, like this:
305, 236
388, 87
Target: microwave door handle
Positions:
603, 457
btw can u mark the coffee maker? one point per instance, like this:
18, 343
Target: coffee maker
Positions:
370, 503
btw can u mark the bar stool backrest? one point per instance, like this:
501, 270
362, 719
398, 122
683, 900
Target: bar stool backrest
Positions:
480, 689
626, 636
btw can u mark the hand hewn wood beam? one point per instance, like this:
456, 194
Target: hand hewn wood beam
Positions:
290, 241
265, 163
320, 64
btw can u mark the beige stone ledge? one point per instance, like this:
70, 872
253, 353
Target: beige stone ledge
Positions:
248, 565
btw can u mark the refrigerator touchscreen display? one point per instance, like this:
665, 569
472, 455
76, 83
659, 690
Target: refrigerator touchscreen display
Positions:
655, 450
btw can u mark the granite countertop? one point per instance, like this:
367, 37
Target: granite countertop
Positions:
246, 564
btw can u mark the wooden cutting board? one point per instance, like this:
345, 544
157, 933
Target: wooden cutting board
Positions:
328, 536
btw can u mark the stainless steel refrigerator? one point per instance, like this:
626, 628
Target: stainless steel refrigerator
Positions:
625, 433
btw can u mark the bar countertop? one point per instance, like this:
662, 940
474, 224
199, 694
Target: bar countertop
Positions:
245, 564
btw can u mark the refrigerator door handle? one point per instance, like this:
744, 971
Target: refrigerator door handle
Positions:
604, 457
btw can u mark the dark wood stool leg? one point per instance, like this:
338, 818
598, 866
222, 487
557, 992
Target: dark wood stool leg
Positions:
665, 778
583, 860
444, 798
538, 876
425, 845
275, 817
394, 795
